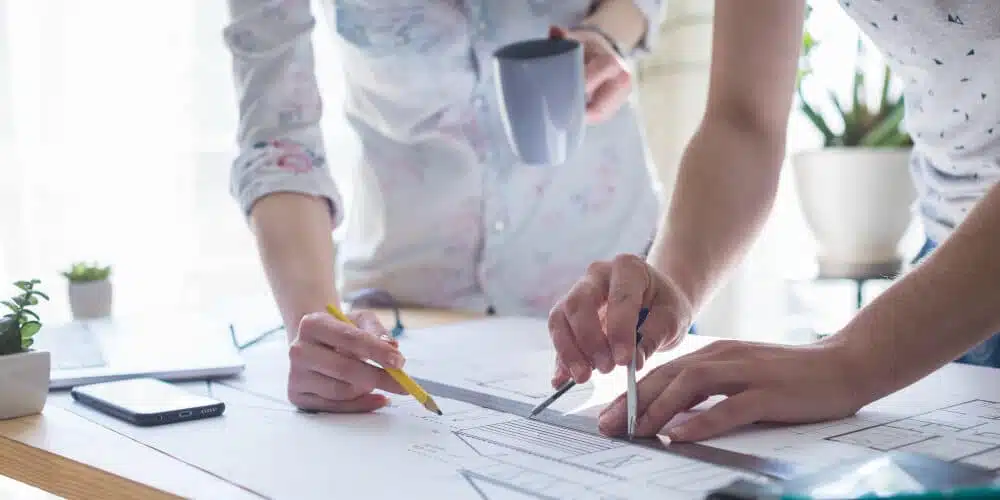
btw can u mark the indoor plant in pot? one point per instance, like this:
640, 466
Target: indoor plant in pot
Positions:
90, 290
24, 372
855, 191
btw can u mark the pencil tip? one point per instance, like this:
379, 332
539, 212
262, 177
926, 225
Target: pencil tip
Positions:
432, 406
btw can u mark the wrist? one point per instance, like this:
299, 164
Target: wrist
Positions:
866, 375
619, 21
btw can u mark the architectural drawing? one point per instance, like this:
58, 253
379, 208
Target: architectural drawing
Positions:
504, 456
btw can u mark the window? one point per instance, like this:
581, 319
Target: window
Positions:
118, 130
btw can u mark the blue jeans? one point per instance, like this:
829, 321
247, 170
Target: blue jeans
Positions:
984, 354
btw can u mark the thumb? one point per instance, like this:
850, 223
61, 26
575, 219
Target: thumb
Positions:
729, 414
557, 32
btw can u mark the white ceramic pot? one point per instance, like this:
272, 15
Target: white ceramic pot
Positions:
858, 204
24, 383
90, 299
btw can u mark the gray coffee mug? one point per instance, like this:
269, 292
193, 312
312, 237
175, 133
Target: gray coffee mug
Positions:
540, 85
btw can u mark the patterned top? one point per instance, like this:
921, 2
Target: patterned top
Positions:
445, 215
947, 54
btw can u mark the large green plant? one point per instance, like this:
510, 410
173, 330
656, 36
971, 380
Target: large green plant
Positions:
21, 324
861, 123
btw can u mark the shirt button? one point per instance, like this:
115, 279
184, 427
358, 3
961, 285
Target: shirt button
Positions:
498, 226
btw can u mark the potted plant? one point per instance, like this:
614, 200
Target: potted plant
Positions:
90, 290
24, 372
855, 191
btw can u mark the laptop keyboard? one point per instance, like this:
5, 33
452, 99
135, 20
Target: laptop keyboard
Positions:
76, 348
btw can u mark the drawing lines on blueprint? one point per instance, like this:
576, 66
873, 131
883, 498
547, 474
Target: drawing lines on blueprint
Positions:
509, 456
967, 432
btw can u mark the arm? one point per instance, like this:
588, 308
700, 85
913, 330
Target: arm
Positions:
632, 24
729, 173
281, 178
935, 313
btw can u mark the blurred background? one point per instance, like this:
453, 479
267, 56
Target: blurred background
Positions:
117, 127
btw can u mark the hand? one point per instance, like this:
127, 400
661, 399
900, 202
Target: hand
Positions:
608, 81
593, 326
328, 369
762, 382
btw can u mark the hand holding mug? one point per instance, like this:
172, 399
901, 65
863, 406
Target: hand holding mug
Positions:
607, 78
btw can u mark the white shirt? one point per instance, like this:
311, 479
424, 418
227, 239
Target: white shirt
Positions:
947, 53
445, 215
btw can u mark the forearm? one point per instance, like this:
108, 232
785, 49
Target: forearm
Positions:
724, 191
622, 20
934, 314
294, 239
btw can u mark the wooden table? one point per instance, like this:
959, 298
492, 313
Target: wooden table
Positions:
66, 455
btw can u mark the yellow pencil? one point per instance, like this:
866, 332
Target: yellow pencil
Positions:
399, 376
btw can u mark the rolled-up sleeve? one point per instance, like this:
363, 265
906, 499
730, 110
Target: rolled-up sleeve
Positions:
655, 12
280, 142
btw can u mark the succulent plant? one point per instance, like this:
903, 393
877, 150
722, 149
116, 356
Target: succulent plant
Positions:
82, 272
21, 324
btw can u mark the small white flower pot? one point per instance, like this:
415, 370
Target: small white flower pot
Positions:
24, 383
858, 204
90, 299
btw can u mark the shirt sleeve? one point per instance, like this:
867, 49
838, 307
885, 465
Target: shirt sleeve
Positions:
280, 142
655, 12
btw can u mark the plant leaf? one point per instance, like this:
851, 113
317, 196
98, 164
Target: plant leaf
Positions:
880, 135
10, 305
40, 294
32, 300
23, 285
30, 328
27, 343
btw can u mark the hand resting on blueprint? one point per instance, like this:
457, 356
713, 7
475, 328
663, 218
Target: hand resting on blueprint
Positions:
593, 326
328, 371
760, 382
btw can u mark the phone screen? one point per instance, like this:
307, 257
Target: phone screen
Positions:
145, 396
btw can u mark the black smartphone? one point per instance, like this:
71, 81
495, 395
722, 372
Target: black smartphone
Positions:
147, 401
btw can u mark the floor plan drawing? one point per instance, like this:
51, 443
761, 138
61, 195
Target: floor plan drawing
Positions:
968, 432
506, 456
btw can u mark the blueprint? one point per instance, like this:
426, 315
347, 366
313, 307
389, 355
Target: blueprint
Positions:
267, 447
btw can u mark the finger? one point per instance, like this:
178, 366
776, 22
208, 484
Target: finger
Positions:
350, 340
582, 307
729, 414
316, 383
362, 404
608, 97
565, 345
627, 285
557, 32
325, 361
561, 374
694, 383
660, 332
599, 70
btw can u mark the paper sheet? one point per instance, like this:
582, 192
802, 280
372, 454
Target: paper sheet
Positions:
263, 444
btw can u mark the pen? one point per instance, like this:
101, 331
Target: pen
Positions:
399, 376
569, 384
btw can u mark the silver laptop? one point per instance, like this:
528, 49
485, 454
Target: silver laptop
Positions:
167, 348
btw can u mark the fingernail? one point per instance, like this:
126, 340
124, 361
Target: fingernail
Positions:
621, 354
602, 361
396, 360
678, 433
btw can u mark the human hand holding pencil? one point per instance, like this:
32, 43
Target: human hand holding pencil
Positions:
328, 364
